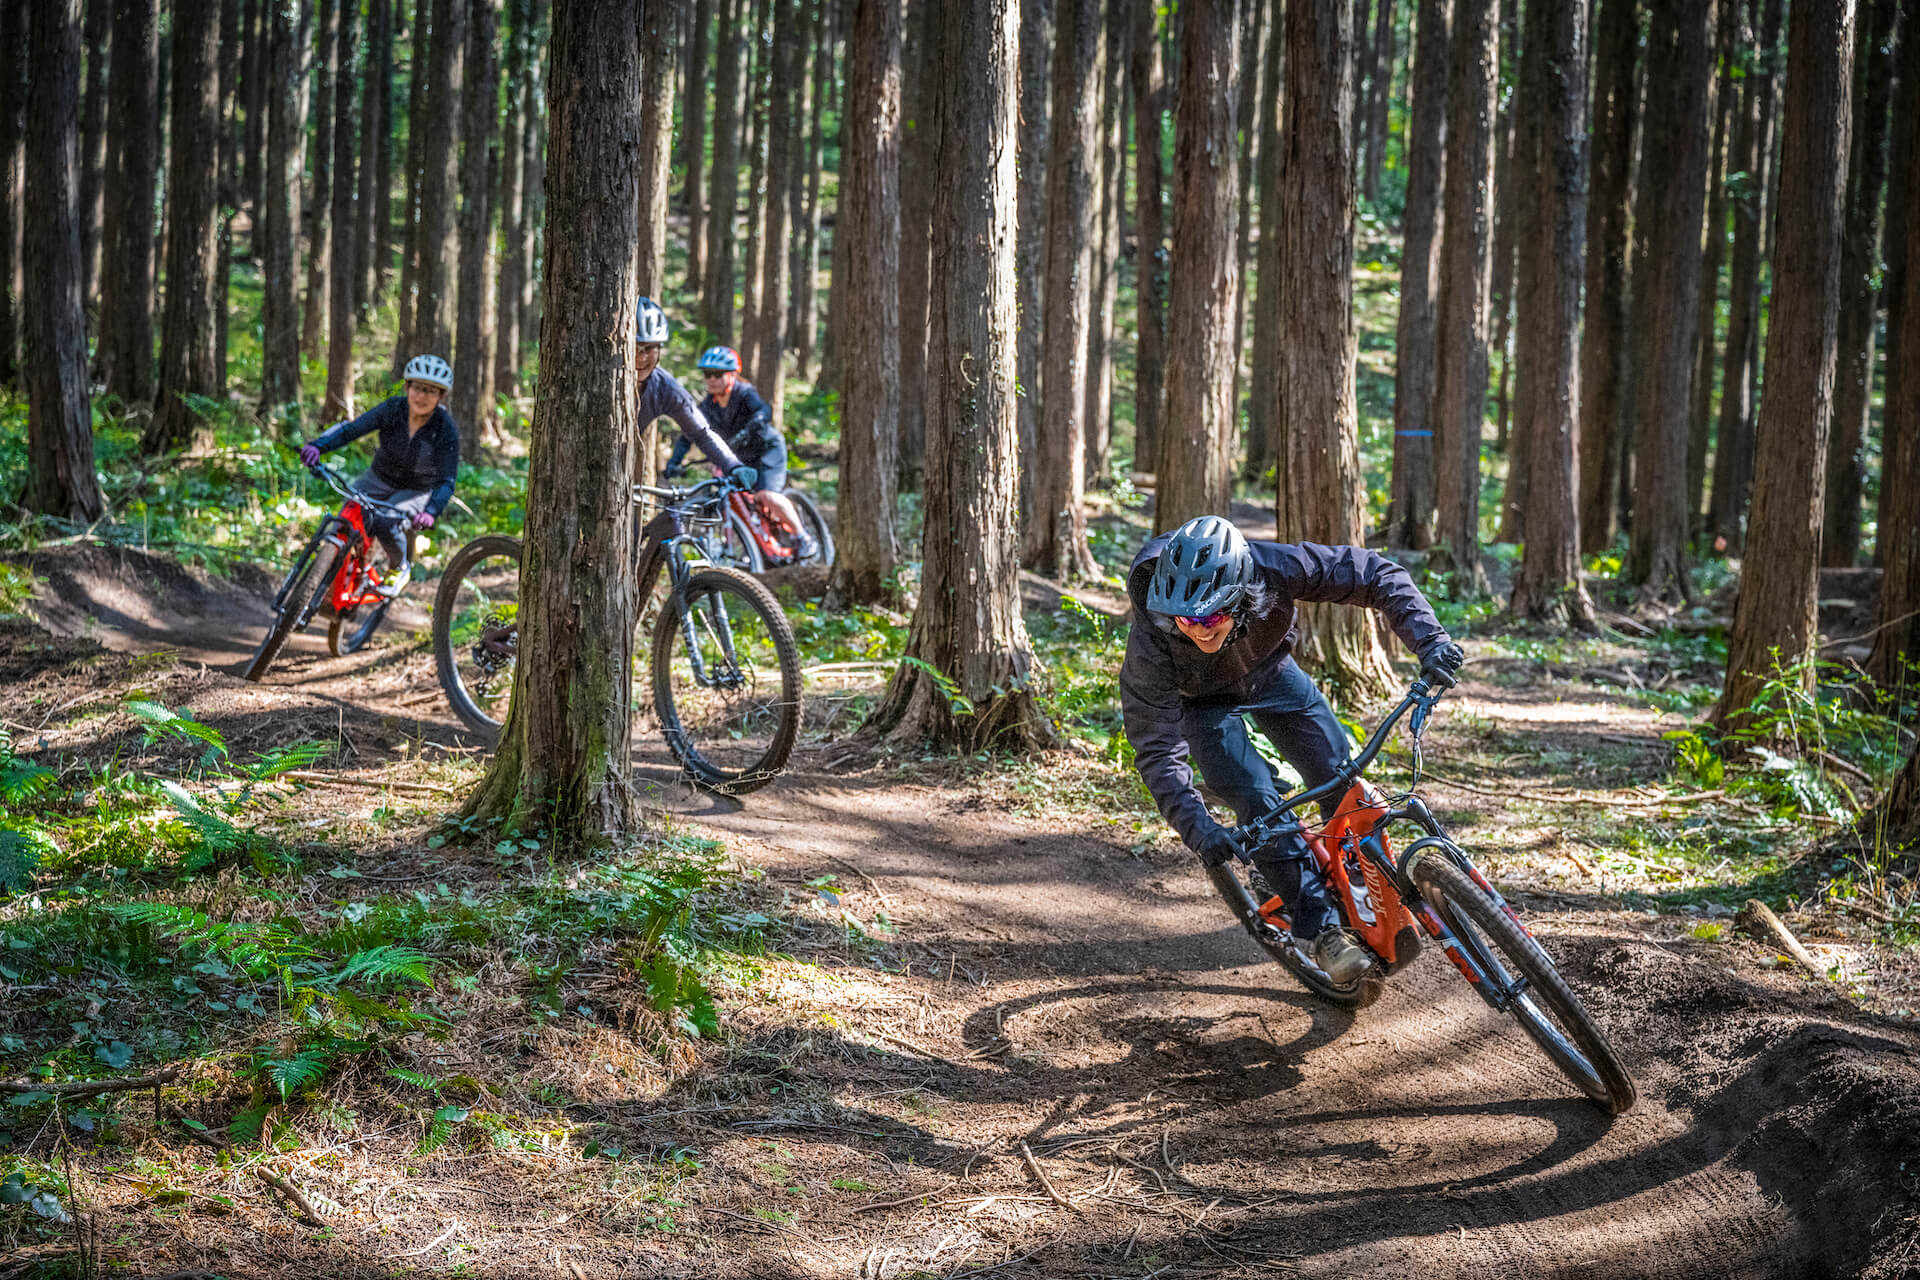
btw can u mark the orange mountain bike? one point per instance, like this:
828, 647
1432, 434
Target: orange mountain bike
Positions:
1431, 890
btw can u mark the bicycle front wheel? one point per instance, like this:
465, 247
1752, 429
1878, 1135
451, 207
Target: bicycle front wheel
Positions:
476, 630
1511, 962
726, 681
313, 573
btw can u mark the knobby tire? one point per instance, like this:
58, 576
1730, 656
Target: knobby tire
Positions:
698, 750
1362, 992
445, 603
325, 559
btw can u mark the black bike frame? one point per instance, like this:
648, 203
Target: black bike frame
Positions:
661, 538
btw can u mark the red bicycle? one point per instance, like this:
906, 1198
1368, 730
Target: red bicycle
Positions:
1431, 888
751, 538
333, 572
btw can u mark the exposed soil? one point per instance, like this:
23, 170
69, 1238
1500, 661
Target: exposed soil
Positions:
1062, 980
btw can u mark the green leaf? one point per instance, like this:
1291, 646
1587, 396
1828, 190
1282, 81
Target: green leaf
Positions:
116, 1055
161, 722
32, 1097
19, 857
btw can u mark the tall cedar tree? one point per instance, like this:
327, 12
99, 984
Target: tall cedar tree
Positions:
1460, 387
1410, 507
343, 267
1775, 618
124, 354
1666, 314
1262, 400
783, 88
93, 143
374, 210
1055, 538
1104, 286
15, 47
828, 377
656, 151
754, 145
1898, 641
319, 207
533, 142
1320, 497
1712, 258
230, 49
1030, 252
1752, 215
189, 362
563, 753
916, 210
255, 67
968, 625
1511, 138
1380, 99
280, 235
1603, 340
693, 139
1859, 267
473, 342
436, 308
1553, 169
60, 476
869, 218
1255, 38
1150, 235
730, 55
513, 198
1195, 471
806, 270
418, 77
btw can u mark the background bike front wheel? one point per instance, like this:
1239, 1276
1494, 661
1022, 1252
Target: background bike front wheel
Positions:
726, 681
316, 574
476, 630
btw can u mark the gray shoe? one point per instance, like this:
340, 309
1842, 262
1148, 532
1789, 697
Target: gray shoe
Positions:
1341, 958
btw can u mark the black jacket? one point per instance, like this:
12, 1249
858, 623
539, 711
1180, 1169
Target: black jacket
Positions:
1164, 671
746, 424
427, 461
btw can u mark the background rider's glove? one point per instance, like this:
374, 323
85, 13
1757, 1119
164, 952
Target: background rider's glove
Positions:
744, 476
1217, 847
1441, 662
309, 455
423, 520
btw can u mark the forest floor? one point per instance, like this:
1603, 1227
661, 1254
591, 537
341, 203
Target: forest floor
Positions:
991, 1019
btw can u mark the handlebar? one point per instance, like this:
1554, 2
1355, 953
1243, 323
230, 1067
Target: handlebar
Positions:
345, 490
707, 491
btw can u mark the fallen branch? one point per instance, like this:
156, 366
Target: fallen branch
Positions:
294, 1198
87, 1088
1868, 635
1844, 766
885, 901
429, 1245
368, 784
1758, 918
1046, 1184
199, 1132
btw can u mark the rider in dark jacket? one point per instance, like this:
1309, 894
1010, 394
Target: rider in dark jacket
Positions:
745, 422
662, 396
1211, 645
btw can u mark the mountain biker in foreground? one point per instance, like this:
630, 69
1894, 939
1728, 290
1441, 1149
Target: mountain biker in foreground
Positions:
662, 396
1212, 645
415, 465
745, 422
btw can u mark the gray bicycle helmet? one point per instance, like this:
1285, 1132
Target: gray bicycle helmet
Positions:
1204, 568
430, 369
649, 322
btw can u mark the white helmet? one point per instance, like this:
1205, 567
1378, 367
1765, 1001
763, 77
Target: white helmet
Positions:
649, 322
430, 369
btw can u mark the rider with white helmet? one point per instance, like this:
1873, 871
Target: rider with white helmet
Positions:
417, 460
662, 396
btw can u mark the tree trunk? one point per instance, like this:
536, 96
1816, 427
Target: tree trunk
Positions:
869, 329
693, 141
473, 350
1898, 640
656, 152
533, 234
968, 625
807, 268
1896, 820
1150, 250
124, 356
1380, 100
319, 207
1410, 508
418, 76
60, 475
1775, 618
1859, 300
754, 259
1460, 391
436, 310
1055, 537
716, 311
189, 364
1320, 498
93, 145
1752, 211
370, 216
916, 209
344, 266
1713, 256
280, 232
1263, 407
783, 99
1253, 39
255, 64
1106, 252
1195, 472
513, 206
1512, 138
1036, 55
1666, 314
229, 199
14, 64
1551, 176
1604, 342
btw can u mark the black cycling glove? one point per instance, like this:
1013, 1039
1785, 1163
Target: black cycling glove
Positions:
1217, 847
1441, 661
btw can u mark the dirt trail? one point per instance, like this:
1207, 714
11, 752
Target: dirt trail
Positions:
1069, 986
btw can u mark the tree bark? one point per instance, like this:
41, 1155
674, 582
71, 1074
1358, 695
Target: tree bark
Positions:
473, 350
1551, 176
1195, 473
319, 207
656, 150
1513, 136
1410, 508
1752, 211
1712, 258
1055, 537
1380, 100
345, 262
1666, 314
418, 76
280, 232
1460, 391
1150, 264
1859, 299
371, 216
534, 142
968, 625
916, 211
869, 217
1775, 617
1036, 59
693, 141
189, 364
1106, 248
1253, 39
806, 268
563, 758
124, 355
754, 141
93, 145
770, 373
60, 475
229, 174
256, 28
716, 312
1604, 342
436, 305
14, 62
513, 201
1263, 398
1320, 498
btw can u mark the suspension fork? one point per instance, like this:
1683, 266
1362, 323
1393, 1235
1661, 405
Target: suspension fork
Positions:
300, 561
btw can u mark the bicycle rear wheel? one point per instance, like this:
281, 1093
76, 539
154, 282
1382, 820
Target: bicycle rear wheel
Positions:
347, 635
816, 525
1361, 992
476, 619
726, 681
1509, 960
316, 572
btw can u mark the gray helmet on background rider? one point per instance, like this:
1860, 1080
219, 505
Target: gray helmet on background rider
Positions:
1205, 568
649, 323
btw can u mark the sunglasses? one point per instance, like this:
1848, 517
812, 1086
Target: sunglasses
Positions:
1209, 621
